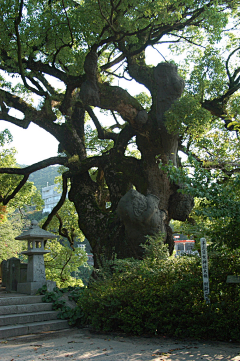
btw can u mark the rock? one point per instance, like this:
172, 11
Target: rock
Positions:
69, 303
140, 214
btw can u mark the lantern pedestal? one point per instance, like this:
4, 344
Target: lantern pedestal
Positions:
36, 278
31, 288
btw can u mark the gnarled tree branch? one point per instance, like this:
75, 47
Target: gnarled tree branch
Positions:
37, 166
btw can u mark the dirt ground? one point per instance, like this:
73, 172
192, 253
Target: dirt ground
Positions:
81, 344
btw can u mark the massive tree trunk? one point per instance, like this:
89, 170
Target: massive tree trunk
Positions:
143, 200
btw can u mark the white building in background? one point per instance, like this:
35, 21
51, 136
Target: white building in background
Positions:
50, 197
85, 246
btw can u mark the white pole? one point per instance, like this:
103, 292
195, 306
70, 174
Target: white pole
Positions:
205, 269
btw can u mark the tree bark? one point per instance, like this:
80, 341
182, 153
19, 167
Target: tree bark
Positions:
120, 231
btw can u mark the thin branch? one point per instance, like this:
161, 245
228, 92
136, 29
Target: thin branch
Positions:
157, 34
186, 39
71, 34
68, 21
75, 81
58, 51
113, 62
34, 82
102, 133
116, 75
114, 116
231, 78
6, 200
160, 54
64, 232
19, 53
112, 11
104, 17
214, 164
46, 84
61, 274
60, 202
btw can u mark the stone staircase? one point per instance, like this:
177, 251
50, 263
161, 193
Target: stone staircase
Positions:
23, 315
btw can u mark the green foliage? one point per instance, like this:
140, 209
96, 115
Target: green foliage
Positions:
12, 219
5, 137
208, 77
9, 229
68, 216
61, 33
145, 100
159, 295
44, 176
166, 300
61, 262
73, 315
50, 21
28, 195
65, 258
205, 77
217, 201
187, 116
234, 111
33, 214
155, 251
93, 144
84, 272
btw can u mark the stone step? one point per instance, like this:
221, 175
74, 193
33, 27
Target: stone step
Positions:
25, 308
22, 314
21, 318
30, 328
6, 300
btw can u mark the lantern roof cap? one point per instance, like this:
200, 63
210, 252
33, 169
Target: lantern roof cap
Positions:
35, 231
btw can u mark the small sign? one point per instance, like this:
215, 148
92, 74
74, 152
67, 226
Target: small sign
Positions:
204, 257
233, 279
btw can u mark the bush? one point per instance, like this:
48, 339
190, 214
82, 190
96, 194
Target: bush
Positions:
164, 296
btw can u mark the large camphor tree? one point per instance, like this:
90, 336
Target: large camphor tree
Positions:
72, 56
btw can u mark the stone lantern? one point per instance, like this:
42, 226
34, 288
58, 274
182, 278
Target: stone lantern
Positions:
36, 277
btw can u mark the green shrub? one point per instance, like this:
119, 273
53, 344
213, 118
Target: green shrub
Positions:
159, 295
166, 298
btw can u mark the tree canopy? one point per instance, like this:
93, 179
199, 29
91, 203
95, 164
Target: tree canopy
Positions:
72, 56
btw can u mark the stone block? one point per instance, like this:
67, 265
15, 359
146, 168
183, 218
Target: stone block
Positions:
4, 272
13, 274
30, 288
69, 303
23, 272
36, 269
50, 285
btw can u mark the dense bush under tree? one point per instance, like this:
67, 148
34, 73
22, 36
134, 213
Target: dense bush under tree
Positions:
158, 296
165, 298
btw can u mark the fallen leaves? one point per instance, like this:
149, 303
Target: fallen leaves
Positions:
172, 350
